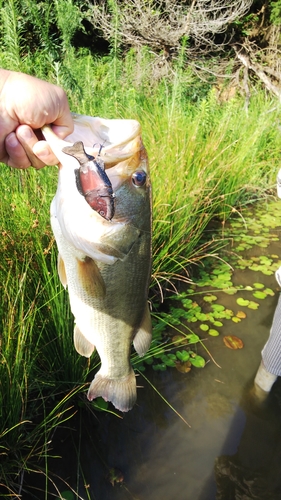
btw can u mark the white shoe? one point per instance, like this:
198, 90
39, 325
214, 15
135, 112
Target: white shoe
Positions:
263, 379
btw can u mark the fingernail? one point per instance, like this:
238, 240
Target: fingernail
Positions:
43, 155
26, 133
40, 151
12, 141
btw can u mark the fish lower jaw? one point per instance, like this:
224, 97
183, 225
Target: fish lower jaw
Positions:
121, 392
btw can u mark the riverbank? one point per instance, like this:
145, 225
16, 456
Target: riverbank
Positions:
208, 160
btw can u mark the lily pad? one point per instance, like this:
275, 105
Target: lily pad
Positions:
217, 323
183, 355
161, 367
183, 367
259, 295
244, 262
230, 291
242, 302
201, 316
253, 305
259, 286
209, 298
235, 319
192, 338
233, 342
179, 339
218, 307
270, 292
204, 327
198, 361
241, 314
228, 313
193, 319
213, 333
267, 272
169, 360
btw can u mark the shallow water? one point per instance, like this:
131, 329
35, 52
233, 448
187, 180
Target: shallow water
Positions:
231, 450
161, 457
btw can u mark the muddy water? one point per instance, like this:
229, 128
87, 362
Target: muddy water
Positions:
231, 450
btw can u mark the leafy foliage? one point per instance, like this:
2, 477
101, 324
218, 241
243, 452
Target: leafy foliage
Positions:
275, 12
208, 159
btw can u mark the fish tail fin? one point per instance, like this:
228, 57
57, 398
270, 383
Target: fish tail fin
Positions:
121, 392
142, 339
81, 344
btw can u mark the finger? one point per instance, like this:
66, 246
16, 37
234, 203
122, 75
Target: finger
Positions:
43, 151
63, 123
28, 139
16, 155
63, 131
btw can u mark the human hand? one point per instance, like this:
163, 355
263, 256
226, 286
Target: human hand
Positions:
26, 104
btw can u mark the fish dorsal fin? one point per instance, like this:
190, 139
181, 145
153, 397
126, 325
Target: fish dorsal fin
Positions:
61, 271
81, 344
90, 278
143, 336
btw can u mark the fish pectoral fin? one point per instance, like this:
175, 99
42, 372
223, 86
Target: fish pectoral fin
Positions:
120, 243
142, 339
121, 392
90, 277
61, 271
81, 344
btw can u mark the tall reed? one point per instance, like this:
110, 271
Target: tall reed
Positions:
207, 160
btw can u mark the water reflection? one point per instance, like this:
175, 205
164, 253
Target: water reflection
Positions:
232, 450
253, 472
233, 445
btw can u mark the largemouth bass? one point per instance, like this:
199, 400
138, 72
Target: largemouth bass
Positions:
105, 258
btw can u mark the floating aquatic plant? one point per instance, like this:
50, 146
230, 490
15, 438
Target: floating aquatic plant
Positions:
199, 307
233, 342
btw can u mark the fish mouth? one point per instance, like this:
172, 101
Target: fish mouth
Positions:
92, 181
101, 200
98, 177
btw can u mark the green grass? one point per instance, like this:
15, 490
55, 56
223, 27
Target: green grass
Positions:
208, 161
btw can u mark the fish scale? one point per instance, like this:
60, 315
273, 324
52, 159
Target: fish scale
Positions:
106, 264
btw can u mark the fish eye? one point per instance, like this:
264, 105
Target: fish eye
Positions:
139, 178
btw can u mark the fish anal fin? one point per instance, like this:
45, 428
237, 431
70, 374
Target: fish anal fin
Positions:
121, 392
90, 277
81, 344
142, 339
61, 271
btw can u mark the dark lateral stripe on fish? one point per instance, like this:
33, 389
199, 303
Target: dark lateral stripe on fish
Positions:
92, 181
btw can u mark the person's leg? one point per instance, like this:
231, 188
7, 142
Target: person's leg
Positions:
270, 367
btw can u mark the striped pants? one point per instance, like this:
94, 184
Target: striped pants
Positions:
271, 353
270, 367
